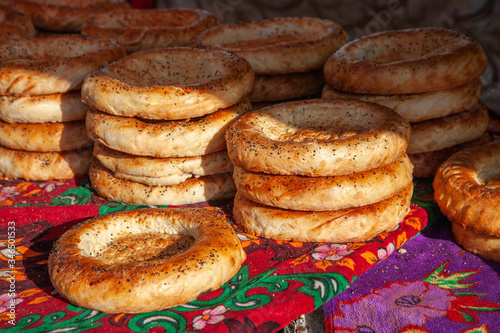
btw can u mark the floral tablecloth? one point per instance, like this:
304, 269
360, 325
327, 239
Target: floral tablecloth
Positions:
278, 282
429, 285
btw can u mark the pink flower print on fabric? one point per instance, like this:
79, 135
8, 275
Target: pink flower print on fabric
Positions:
331, 252
383, 253
8, 192
210, 317
50, 186
8, 301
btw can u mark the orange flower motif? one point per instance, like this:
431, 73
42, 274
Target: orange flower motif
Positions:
414, 222
6, 316
31, 193
370, 257
294, 244
21, 187
6, 274
355, 246
40, 299
30, 292
300, 260
347, 262
384, 235
402, 239
324, 264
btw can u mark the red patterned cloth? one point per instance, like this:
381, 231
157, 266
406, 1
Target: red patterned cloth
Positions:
278, 282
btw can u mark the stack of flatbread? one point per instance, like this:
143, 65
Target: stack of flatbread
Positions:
158, 119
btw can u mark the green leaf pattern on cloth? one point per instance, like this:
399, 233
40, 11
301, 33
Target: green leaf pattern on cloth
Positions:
73, 196
170, 321
54, 322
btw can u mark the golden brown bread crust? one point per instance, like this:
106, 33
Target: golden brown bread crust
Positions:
172, 83
142, 29
480, 244
51, 65
175, 138
467, 188
43, 109
280, 45
286, 86
406, 62
422, 106
324, 193
357, 224
445, 132
46, 137
65, 15
14, 23
192, 190
426, 164
86, 268
20, 164
161, 171
317, 137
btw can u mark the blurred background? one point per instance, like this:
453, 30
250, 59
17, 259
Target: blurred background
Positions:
478, 18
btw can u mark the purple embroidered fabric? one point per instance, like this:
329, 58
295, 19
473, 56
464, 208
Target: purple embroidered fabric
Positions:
429, 285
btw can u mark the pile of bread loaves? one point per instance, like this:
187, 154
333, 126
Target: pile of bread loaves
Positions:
42, 118
286, 54
429, 76
320, 170
158, 120
467, 190
167, 102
